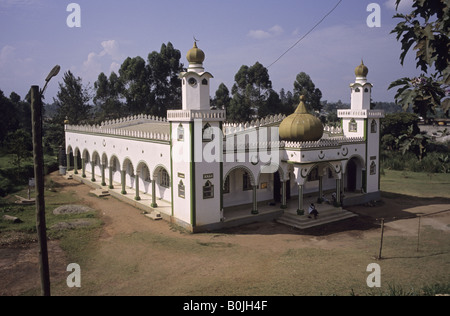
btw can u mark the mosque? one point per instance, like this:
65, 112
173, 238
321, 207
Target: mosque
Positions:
195, 170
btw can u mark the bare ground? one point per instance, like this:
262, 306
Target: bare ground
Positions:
137, 256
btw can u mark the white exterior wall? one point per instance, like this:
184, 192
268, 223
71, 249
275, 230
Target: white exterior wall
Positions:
373, 155
154, 154
181, 153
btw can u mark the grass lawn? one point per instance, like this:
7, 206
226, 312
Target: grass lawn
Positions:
416, 184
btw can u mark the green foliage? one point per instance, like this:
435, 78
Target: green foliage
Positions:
72, 101
222, 98
151, 88
303, 85
426, 30
250, 93
394, 125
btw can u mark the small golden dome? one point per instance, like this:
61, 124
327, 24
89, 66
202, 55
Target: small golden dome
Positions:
195, 55
301, 126
361, 70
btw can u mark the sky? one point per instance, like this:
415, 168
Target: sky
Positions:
35, 36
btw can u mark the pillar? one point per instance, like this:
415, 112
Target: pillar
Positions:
111, 186
93, 170
68, 162
338, 192
137, 197
83, 167
103, 175
255, 201
320, 199
122, 175
75, 164
154, 193
283, 195
300, 209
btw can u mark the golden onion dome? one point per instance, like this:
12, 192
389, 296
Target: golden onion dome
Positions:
301, 126
361, 70
195, 55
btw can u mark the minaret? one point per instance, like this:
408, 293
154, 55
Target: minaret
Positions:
196, 150
362, 122
195, 82
361, 89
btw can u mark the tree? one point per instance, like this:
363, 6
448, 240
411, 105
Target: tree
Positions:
250, 91
134, 77
394, 126
426, 30
164, 69
155, 87
222, 97
8, 119
303, 85
107, 97
20, 146
72, 101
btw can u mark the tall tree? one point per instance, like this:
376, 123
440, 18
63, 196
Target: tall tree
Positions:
303, 85
72, 101
107, 97
427, 31
222, 97
136, 85
164, 69
250, 91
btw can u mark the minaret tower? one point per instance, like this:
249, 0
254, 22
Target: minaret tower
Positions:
196, 158
362, 122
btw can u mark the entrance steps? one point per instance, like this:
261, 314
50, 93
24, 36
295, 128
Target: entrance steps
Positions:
326, 216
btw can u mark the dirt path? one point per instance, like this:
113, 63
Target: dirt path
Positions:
138, 256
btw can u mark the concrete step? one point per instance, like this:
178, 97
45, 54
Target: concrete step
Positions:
325, 217
100, 192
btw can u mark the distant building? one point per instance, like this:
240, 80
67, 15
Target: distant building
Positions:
197, 169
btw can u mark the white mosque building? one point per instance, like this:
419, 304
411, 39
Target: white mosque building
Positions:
194, 170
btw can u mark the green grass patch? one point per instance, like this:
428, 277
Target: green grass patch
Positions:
416, 183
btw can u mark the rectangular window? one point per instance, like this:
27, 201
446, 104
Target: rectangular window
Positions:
226, 185
164, 180
247, 184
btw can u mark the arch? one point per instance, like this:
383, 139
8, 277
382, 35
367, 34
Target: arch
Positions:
128, 167
157, 169
145, 179
69, 150
354, 170
85, 155
77, 152
279, 170
104, 160
114, 162
246, 169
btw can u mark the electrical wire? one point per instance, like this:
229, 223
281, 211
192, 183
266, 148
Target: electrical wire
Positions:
309, 32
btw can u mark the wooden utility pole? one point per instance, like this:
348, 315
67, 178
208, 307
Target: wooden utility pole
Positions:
381, 242
38, 156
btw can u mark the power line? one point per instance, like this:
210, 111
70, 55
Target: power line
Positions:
309, 32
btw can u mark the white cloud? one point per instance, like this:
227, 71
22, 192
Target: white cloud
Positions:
111, 48
274, 31
98, 62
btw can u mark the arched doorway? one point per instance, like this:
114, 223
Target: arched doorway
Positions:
354, 175
351, 175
